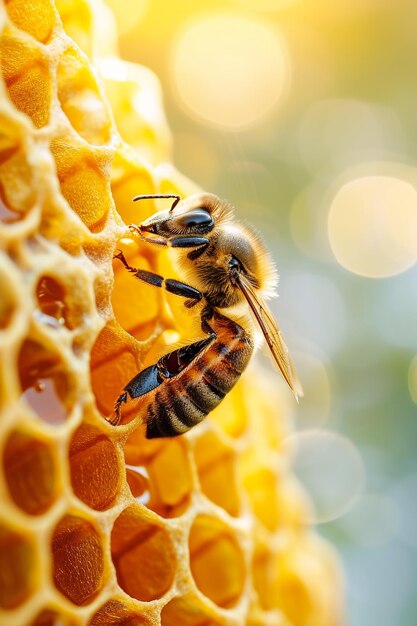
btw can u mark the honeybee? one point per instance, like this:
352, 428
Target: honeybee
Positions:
229, 274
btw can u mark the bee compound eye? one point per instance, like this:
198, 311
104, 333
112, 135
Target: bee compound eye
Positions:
196, 218
235, 265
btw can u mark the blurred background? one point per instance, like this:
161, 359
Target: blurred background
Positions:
302, 113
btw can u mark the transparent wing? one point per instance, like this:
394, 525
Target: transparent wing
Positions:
273, 336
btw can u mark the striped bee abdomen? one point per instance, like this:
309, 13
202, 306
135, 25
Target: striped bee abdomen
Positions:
182, 400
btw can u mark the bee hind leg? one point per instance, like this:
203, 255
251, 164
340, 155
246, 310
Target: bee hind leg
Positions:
117, 409
145, 381
153, 376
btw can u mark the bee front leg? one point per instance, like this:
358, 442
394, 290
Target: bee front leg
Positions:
147, 236
180, 241
198, 245
188, 242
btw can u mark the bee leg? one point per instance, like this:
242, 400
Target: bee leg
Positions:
153, 376
188, 242
173, 286
182, 289
184, 241
116, 419
147, 380
149, 237
199, 245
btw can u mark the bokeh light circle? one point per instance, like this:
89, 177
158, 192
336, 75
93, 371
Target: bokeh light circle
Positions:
331, 470
229, 71
372, 226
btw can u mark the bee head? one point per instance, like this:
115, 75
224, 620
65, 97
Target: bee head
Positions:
243, 254
196, 215
235, 251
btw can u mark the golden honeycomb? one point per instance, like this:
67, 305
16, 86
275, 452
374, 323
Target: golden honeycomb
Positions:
99, 526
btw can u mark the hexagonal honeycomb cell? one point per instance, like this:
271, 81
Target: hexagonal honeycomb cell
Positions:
80, 99
98, 525
95, 467
143, 555
217, 561
216, 466
31, 472
83, 180
46, 387
77, 553
26, 75
36, 18
18, 566
149, 477
15, 199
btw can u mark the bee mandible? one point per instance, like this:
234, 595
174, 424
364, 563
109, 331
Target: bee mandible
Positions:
229, 274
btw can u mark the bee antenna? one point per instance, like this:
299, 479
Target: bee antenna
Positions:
164, 195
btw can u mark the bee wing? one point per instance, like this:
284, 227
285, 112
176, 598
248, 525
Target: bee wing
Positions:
273, 336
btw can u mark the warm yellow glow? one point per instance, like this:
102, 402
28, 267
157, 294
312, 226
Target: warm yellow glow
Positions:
372, 226
128, 14
228, 70
412, 379
330, 468
266, 5
204, 165
353, 8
